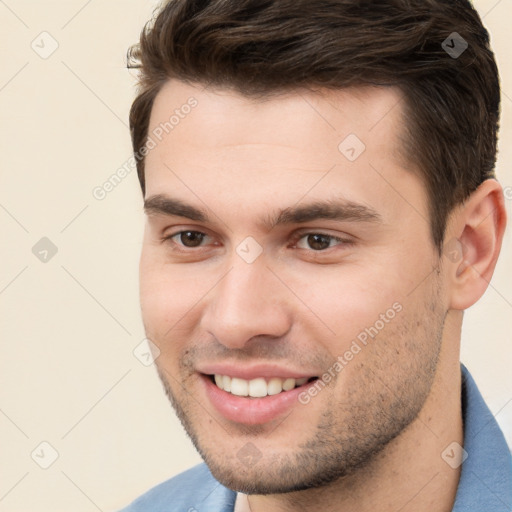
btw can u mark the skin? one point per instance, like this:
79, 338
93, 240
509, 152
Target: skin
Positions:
372, 438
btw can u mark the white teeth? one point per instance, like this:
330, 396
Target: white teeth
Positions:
274, 386
239, 387
226, 383
257, 388
288, 384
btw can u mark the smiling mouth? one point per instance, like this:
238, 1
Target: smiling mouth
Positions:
259, 387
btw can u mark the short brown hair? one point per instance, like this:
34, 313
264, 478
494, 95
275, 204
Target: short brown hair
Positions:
262, 47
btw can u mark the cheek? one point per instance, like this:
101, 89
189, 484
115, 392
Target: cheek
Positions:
170, 295
161, 298
166, 309
344, 301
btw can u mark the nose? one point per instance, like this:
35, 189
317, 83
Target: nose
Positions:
248, 301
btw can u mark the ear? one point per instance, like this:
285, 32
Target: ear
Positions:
473, 246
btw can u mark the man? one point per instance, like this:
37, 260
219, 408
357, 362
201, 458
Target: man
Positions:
318, 179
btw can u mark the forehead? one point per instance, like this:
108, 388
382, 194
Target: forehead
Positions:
209, 143
221, 115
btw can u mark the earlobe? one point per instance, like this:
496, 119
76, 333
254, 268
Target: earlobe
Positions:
479, 228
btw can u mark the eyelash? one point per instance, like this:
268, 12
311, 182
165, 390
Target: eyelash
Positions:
296, 238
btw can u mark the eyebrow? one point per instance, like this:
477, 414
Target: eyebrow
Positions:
340, 210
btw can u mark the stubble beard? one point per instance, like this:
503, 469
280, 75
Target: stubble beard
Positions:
380, 401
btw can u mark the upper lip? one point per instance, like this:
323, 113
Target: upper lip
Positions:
253, 371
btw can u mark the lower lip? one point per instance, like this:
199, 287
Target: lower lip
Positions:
251, 411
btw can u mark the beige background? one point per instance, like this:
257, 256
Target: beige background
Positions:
69, 325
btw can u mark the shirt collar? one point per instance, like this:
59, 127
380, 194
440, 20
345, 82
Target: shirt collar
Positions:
486, 475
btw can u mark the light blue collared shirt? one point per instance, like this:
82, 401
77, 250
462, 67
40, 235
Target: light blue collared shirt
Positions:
485, 482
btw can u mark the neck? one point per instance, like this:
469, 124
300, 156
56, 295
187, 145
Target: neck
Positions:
410, 474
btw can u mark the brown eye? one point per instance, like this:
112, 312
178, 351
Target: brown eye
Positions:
190, 238
318, 241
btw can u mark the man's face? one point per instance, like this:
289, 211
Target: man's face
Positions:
311, 258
